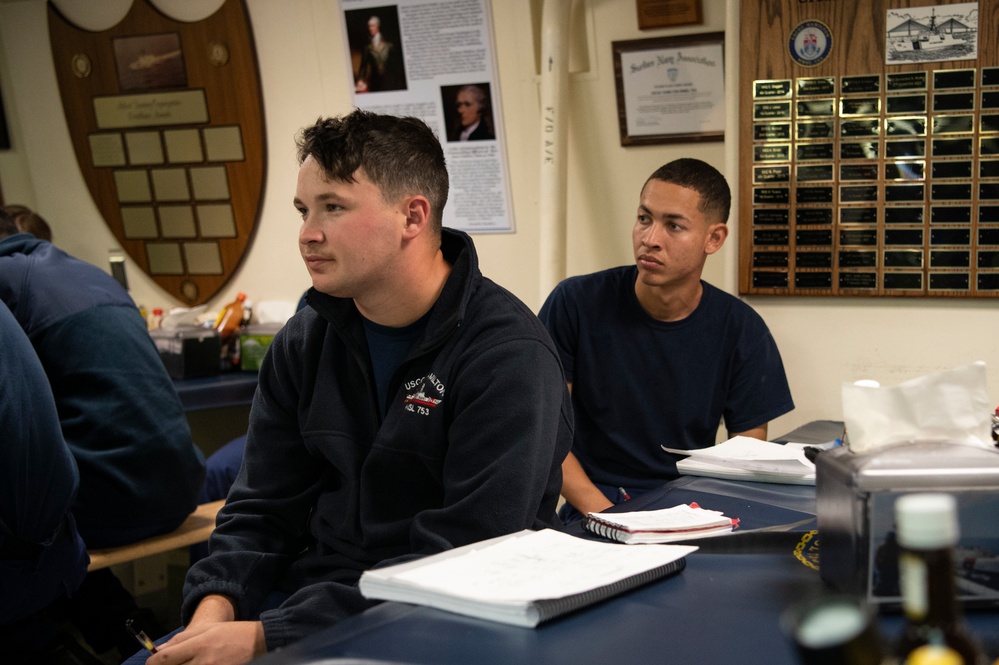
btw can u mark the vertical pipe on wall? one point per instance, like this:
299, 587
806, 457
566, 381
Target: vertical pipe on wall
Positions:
732, 140
554, 116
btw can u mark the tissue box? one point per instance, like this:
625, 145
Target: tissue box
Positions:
189, 352
855, 502
253, 343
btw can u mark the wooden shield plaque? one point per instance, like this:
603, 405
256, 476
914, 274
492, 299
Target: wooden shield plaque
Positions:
166, 120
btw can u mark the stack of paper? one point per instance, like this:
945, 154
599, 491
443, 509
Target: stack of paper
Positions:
660, 526
524, 578
745, 458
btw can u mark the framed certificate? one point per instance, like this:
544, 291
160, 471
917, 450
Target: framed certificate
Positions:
671, 89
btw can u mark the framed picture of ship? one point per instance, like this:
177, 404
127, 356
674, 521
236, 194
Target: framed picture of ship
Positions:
932, 34
150, 62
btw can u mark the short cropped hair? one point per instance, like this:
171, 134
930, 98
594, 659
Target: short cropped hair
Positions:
401, 155
29, 221
716, 197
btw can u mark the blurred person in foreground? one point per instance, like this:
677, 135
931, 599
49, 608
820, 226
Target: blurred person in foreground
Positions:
120, 415
29, 221
42, 557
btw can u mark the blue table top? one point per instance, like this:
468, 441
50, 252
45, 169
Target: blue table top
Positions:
725, 607
213, 392
706, 614
757, 505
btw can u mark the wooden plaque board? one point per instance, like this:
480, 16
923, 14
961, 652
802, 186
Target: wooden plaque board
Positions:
166, 119
668, 13
863, 177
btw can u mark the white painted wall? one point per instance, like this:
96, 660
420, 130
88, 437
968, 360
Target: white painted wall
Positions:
823, 341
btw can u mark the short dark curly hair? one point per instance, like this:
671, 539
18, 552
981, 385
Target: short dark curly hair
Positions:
401, 155
716, 197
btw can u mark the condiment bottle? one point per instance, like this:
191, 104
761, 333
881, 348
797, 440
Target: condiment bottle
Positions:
928, 531
228, 324
155, 319
230, 318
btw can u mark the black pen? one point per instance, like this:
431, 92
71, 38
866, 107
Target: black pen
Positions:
141, 636
811, 452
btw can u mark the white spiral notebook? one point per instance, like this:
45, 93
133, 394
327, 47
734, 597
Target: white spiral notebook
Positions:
666, 525
524, 578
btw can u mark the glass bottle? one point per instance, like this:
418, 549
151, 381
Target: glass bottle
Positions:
228, 324
155, 319
927, 529
230, 318
935, 652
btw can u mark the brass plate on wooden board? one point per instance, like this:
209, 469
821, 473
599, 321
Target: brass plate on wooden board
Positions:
667, 13
911, 205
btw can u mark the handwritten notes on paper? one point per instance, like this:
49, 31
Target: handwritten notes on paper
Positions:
549, 564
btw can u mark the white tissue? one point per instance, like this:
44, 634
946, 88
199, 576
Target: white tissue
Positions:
183, 317
951, 406
274, 311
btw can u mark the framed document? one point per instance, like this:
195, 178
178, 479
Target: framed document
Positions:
671, 89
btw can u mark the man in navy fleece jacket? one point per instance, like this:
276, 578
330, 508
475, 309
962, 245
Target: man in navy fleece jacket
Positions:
412, 407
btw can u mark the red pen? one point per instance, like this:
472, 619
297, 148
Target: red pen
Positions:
624, 495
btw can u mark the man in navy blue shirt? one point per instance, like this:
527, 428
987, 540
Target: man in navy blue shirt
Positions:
654, 355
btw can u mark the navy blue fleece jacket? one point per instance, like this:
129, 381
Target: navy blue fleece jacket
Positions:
478, 423
120, 413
